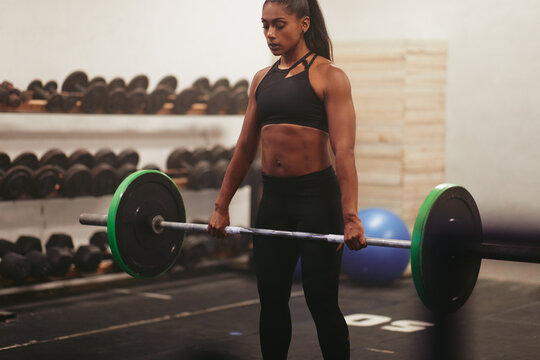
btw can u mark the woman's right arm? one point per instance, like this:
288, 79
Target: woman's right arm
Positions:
244, 153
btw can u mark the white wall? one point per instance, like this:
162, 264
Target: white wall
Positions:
493, 92
49, 39
493, 110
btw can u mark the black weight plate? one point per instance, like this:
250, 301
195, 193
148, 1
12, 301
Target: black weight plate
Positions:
77, 181
135, 101
185, 100
219, 152
106, 156
34, 86
138, 82
70, 102
51, 86
238, 102
241, 84
27, 243
103, 179
5, 161
124, 171
223, 82
54, 157
135, 247
44, 181
55, 102
117, 83
94, 98
202, 176
443, 275
116, 100
218, 101
202, 84
16, 182
60, 240
81, 156
27, 159
74, 81
170, 81
157, 99
178, 157
127, 156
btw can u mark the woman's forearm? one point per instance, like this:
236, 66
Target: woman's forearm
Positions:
348, 182
235, 174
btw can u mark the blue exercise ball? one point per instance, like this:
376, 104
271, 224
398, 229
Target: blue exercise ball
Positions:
376, 264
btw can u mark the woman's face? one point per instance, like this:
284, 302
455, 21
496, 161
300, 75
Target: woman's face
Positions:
282, 30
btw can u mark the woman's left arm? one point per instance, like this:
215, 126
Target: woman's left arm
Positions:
342, 131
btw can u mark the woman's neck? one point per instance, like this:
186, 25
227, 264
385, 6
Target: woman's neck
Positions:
290, 58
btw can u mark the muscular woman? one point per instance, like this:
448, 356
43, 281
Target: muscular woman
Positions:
297, 107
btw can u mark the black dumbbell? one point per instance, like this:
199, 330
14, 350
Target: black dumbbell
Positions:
104, 179
123, 172
60, 252
81, 156
101, 240
215, 97
136, 94
127, 156
13, 266
105, 155
219, 152
55, 101
55, 157
27, 243
195, 165
69, 101
239, 98
41, 265
76, 181
116, 100
16, 182
27, 159
5, 161
11, 96
178, 156
93, 96
87, 258
163, 91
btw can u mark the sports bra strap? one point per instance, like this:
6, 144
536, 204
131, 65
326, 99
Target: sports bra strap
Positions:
312, 60
302, 59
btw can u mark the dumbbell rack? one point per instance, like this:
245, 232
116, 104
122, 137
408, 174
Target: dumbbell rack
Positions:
153, 136
38, 106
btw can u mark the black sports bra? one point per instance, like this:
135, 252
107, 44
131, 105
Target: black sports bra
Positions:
290, 100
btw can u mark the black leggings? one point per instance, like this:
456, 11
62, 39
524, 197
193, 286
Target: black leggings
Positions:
309, 203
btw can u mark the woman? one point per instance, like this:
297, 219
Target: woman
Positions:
296, 107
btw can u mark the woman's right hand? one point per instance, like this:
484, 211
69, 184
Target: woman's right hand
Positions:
218, 221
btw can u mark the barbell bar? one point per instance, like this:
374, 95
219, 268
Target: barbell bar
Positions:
158, 224
146, 227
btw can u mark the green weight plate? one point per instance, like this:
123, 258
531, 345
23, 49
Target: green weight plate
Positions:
443, 275
135, 247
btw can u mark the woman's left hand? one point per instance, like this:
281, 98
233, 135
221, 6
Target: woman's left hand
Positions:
354, 234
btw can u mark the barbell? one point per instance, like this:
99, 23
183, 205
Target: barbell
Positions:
146, 224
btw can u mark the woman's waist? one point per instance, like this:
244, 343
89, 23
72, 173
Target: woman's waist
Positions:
316, 182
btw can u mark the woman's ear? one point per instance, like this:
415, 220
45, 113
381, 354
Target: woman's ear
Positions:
305, 23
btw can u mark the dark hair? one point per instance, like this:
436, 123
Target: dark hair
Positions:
317, 39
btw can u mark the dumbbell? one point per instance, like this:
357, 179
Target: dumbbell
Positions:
117, 96
136, 94
10, 95
239, 98
197, 166
101, 240
87, 258
93, 96
5, 161
81, 156
17, 179
13, 266
31, 248
216, 97
60, 252
55, 101
163, 91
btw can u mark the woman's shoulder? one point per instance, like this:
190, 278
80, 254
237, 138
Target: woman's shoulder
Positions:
328, 72
259, 75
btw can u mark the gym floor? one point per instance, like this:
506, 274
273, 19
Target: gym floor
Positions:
213, 314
